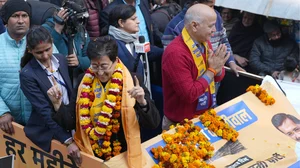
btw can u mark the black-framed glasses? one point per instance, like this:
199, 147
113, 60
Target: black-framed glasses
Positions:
103, 67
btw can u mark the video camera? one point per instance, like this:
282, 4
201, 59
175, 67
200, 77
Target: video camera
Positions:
77, 13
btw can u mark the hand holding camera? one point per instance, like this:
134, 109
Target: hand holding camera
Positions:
60, 19
72, 60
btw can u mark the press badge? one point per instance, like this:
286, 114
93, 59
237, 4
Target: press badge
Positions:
202, 102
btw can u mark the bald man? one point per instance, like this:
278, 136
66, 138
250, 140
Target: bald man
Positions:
190, 68
176, 25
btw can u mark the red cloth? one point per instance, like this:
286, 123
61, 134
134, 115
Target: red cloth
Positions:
92, 25
180, 87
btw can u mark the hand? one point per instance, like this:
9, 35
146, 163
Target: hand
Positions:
74, 152
6, 123
55, 94
241, 60
236, 68
72, 60
63, 14
275, 74
138, 93
217, 60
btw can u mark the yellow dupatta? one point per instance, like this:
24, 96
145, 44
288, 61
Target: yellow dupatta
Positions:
201, 66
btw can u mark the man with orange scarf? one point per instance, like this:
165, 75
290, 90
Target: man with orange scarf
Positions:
190, 68
109, 108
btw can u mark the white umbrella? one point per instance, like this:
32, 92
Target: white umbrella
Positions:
288, 9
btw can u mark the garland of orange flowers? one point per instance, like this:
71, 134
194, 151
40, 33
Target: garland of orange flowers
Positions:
261, 94
216, 124
107, 116
186, 148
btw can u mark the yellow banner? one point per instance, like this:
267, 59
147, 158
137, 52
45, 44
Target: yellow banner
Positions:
29, 155
260, 144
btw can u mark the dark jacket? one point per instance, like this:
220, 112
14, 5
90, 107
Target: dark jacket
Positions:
2, 27
41, 128
265, 59
93, 23
162, 15
61, 43
129, 60
241, 38
153, 32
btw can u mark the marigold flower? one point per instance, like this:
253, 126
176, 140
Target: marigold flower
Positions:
83, 101
219, 132
103, 119
87, 80
111, 98
107, 109
155, 166
117, 75
117, 107
114, 86
261, 94
85, 121
100, 130
106, 144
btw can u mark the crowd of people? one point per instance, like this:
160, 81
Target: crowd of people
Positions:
85, 85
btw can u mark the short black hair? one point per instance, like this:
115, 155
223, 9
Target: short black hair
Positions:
278, 119
103, 46
121, 11
290, 64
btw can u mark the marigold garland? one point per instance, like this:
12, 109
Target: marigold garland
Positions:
261, 94
186, 148
216, 124
107, 116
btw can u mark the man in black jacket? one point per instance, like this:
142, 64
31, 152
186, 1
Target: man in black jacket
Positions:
270, 51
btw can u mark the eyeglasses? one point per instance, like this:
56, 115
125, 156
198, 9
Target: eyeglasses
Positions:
103, 67
274, 35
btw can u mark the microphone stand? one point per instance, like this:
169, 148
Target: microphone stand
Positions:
71, 51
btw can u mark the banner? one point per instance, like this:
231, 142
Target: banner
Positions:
28, 155
262, 142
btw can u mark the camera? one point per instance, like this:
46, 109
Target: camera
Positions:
77, 16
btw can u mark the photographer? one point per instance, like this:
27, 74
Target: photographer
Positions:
68, 32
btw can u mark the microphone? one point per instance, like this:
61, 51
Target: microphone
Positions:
141, 48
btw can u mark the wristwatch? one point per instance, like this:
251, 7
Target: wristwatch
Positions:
68, 142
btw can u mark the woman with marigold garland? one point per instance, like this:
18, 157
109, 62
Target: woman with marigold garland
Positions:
109, 108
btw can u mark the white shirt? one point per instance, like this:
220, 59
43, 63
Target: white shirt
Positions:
59, 79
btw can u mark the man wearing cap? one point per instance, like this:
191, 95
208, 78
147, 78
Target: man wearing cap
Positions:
270, 51
13, 104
